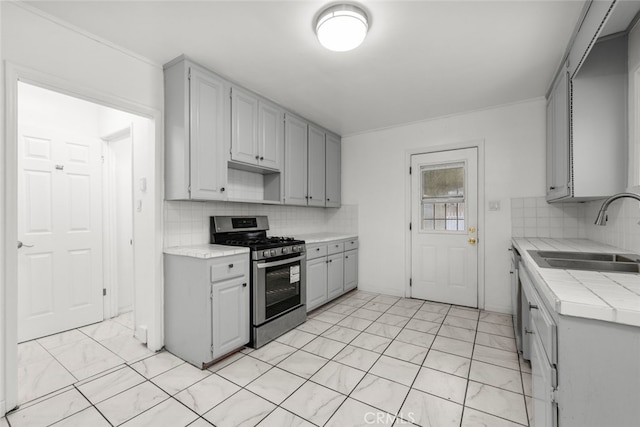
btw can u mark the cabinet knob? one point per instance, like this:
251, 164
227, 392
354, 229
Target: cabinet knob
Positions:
257, 157
328, 199
533, 306
261, 158
317, 249
311, 197
306, 197
230, 265
346, 257
244, 285
552, 188
222, 190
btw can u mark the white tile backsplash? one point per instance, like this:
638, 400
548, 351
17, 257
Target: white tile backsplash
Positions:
622, 229
187, 223
534, 217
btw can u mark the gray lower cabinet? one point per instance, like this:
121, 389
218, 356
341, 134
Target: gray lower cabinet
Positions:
206, 309
335, 275
350, 270
316, 282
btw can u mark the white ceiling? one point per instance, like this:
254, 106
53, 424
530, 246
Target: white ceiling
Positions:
421, 59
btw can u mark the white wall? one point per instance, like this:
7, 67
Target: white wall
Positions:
115, 77
374, 177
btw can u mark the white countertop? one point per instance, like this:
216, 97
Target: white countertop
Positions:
613, 297
312, 238
205, 251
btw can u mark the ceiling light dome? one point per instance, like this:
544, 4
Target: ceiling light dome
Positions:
342, 27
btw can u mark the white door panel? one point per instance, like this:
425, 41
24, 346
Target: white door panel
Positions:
60, 216
444, 256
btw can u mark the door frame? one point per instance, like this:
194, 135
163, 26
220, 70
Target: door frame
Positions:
479, 145
14, 73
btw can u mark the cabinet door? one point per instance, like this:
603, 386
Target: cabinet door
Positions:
208, 165
335, 275
295, 161
244, 127
558, 140
270, 135
543, 381
316, 282
333, 179
230, 315
316, 166
350, 270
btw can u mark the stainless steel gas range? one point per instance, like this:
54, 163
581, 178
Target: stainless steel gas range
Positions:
278, 274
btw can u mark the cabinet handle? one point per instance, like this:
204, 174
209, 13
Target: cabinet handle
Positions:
244, 285
257, 157
311, 197
346, 257
328, 199
306, 197
330, 260
532, 307
526, 331
317, 249
230, 265
222, 190
261, 158
552, 188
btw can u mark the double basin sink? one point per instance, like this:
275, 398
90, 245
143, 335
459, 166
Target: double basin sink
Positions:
620, 263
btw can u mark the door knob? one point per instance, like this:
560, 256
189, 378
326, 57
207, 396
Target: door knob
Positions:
20, 244
472, 240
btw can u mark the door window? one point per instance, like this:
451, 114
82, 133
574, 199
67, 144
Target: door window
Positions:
443, 197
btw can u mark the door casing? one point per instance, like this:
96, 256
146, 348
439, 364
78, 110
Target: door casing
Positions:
479, 144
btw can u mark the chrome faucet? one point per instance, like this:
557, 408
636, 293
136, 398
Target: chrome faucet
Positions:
602, 214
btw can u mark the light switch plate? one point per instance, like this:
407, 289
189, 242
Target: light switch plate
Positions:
494, 205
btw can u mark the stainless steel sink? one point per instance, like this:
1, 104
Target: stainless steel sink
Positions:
624, 263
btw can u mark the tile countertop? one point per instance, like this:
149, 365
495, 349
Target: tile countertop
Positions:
312, 238
205, 251
613, 297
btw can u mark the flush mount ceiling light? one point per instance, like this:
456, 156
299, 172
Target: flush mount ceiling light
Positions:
342, 27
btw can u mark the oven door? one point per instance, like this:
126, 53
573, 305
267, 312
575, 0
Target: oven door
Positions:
279, 286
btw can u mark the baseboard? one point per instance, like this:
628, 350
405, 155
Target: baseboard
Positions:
384, 291
498, 309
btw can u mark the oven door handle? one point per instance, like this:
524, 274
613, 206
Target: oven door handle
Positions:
277, 263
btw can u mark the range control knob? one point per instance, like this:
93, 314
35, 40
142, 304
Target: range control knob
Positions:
273, 252
295, 249
265, 253
285, 250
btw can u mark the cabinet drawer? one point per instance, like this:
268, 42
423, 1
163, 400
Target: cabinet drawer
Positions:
335, 248
316, 251
351, 244
229, 267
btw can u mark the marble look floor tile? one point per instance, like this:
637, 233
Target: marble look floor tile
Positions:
498, 402
449, 345
126, 405
402, 311
41, 377
105, 330
85, 358
460, 322
60, 339
496, 356
409, 303
430, 411
111, 384
313, 326
473, 418
449, 363
30, 352
331, 317
205, 394
407, 352
435, 307
496, 329
4, 422
168, 413
353, 302
338, 377
441, 384
243, 409
358, 358
356, 323
127, 347
496, 376
380, 393
525, 365
226, 361
273, 353
86, 417
526, 384
342, 309
363, 313
376, 306
200, 422
371, 342
393, 320
466, 312
457, 333
324, 347
296, 338
276, 385
179, 378
125, 319
395, 370
429, 316
356, 414
50, 410
283, 418
303, 364
314, 403
499, 318
529, 404
496, 341
416, 338
423, 326
385, 299
244, 370
157, 364
340, 333
383, 330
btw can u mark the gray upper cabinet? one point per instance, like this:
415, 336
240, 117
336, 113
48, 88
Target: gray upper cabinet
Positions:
558, 139
333, 180
270, 135
196, 126
316, 167
295, 161
595, 13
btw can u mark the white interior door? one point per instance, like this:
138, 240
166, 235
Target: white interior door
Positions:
60, 218
444, 212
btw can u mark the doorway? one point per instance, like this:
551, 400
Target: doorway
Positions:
444, 222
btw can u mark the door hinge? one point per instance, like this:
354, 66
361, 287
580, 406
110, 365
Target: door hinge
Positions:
410, 282
410, 226
104, 292
554, 395
189, 74
211, 293
102, 158
212, 349
409, 170
230, 93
